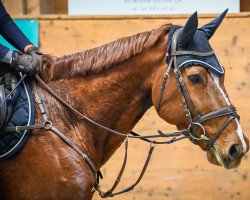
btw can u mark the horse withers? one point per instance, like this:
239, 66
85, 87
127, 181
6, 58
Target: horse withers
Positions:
114, 85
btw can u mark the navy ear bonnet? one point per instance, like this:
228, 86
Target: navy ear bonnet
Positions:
199, 42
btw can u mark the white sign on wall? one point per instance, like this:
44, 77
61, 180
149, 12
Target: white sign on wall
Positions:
140, 7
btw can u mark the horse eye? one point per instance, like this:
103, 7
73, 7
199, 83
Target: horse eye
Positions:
196, 78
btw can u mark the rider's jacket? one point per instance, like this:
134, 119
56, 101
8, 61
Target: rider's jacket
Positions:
10, 31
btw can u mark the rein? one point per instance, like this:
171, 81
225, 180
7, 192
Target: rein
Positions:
176, 137
132, 134
47, 124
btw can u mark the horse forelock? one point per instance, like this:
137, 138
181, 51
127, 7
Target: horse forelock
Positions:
100, 58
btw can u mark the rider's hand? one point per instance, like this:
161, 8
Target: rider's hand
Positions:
36, 55
29, 62
24, 63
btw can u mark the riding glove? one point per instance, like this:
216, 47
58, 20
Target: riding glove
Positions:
23, 63
36, 56
28, 63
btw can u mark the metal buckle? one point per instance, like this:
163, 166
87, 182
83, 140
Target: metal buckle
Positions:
203, 135
47, 124
17, 129
101, 193
188, 114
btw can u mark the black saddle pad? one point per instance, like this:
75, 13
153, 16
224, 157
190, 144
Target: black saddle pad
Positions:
23, 114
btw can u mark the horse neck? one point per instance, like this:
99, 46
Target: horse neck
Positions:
116, 98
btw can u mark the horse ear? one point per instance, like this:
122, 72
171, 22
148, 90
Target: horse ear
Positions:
212, 26
188, 30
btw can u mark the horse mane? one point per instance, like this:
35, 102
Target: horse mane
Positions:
100, 58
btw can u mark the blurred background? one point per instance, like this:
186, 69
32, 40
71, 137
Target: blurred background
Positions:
179, 171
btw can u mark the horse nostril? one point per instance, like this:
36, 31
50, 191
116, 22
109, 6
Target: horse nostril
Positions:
234, 151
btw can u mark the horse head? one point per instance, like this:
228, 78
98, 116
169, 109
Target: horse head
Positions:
195, 96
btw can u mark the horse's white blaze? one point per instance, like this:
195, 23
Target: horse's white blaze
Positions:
240, 134
217, 81
239, 129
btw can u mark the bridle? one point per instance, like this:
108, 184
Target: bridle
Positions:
195, 120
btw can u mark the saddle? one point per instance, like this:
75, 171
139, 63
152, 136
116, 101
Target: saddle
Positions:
7, 84
17, 108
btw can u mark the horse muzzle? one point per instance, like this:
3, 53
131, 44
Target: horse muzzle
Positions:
229, 160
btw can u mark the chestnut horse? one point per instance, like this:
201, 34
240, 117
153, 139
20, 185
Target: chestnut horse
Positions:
114, 85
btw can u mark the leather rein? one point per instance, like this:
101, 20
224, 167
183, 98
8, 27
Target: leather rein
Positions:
176, 136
